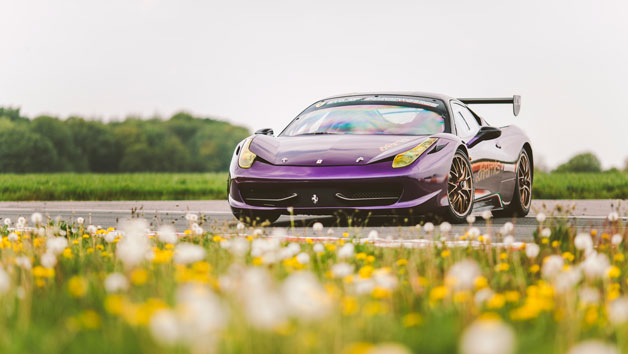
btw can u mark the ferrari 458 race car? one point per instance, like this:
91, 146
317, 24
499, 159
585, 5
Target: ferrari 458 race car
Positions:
384, 153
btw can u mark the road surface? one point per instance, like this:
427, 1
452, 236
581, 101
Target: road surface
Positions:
217, 217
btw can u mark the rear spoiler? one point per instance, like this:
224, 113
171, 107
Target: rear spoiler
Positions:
515, 100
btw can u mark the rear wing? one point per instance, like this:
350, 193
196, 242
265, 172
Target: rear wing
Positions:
515, 100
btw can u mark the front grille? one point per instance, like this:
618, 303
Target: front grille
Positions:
320, 194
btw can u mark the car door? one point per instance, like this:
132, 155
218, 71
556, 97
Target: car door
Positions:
486, 157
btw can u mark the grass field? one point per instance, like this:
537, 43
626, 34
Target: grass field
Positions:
74, 288
180, 186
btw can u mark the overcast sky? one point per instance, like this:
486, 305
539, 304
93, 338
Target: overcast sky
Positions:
259, 63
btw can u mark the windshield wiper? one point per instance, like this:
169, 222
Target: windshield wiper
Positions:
319, 133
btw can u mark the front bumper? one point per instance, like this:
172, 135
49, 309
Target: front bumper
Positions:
376, 188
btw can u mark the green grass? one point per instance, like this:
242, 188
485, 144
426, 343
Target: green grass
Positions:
180, 186
605, 185
140, 186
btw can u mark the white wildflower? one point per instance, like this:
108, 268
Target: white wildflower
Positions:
618, 311
593, 347
110, 236
540, 218
595, 265
507, 228
167, 234
134, 246
445, 227
305, 297
37, 218
509, 240
290, 210
487, 214
7, 221
482, 296
23, 262
191, 217
303, 258
373, 235
56, 245
21, 221
319, 248
583, 241
613, 216
5, 281
12, 237
616, 239
589, 296
462, 275
341, 270
317, 227
116, 282
546, 232
258, 232
532, 250
471, 219
552, 265
428, 227
164, 326
346, 251
80, 220
488, 337
48, 260
566, 281
240, 227
91, 229
474, 232
186, 253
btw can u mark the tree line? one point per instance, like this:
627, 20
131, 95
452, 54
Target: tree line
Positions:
181, 143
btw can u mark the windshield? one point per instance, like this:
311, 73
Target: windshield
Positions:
371, 118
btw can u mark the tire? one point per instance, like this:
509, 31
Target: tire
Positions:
254, 217
460, 189
522, 196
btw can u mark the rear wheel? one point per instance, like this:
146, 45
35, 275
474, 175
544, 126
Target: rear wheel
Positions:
522, 197
460, 189
255, 217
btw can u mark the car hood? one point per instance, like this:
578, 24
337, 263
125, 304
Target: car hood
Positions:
331, 150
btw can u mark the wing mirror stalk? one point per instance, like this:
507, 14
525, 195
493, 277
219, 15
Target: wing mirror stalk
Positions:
485, 133
265, 131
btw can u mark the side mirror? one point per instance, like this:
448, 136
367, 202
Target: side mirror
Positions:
485, 133
265, 131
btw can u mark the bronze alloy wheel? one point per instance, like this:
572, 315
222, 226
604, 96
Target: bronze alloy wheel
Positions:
460, 186
524, 178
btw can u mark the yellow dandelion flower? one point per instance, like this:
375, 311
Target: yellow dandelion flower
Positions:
502, 267
503, 256
438, 293
480, 282
568, 256
545, 241
370, 259
555, 244
497, 301
77, 286
139, 276
619, 257
614, 272
534, 268
360, 256
90, 319
381, 293
411, 319
445, 253
402, 262
365, 272
512, 296
67, 253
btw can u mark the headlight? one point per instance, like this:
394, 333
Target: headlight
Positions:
406, 158
246, 156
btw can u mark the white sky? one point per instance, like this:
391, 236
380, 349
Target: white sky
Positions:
259, 63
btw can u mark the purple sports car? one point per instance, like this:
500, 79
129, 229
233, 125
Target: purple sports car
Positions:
384, 153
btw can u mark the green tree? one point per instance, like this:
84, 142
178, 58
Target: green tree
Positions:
69, 158
22, 150
585, 162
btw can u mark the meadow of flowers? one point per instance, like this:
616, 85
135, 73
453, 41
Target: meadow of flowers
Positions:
70, 287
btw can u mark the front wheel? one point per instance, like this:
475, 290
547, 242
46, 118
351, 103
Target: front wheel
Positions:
460, 189
254, 217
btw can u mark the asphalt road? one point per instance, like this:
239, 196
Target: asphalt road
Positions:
217, 217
